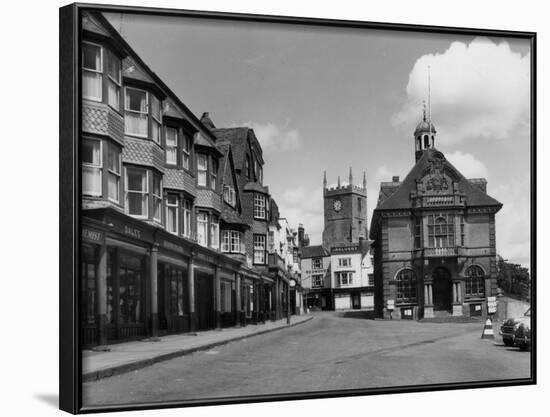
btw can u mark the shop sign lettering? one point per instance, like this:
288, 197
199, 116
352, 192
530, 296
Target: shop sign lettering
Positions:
132, 232
92, 235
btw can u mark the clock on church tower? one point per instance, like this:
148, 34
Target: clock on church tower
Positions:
345, 212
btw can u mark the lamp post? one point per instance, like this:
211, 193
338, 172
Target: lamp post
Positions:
291, 284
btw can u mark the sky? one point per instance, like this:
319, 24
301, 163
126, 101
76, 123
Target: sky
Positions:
327, 99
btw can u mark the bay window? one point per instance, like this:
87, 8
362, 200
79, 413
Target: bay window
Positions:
113, 174
172, 211
186, 218
186, 152
171, 146
137, 191
229, 195
91, 167
157, 198
92, 71
202, 228
202, 169
259, 206
114, 80
214, 232
259, 249
136, 116
156, 121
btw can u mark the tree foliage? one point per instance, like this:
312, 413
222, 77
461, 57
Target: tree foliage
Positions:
514, 279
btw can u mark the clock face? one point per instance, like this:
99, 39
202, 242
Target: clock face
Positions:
337, 205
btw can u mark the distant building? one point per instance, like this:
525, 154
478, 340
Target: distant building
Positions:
338, 275
434, 234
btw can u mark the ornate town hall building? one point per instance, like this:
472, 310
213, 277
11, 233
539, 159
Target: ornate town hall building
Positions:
434, 236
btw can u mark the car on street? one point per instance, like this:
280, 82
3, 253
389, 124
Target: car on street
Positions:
517, 327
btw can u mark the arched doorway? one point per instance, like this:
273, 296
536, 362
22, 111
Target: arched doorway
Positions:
442, 289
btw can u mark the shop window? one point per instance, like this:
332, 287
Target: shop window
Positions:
171, 146
186, 152
137, 191
114, 80
113, 173
157, 198
177, 296
202, 169
259, 206
130, 291
225, 295
214, 232
259, 249
91, 167
136, 116
156, 120
474, 283
92, 71
88, 287
406, 285
187, 218
172, 211
202, 228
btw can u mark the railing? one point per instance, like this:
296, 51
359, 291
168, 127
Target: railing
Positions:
440, 252
444, 200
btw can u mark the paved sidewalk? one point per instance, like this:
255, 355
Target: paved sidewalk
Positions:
126, 357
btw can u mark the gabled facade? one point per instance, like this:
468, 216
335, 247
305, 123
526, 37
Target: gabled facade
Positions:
434, 236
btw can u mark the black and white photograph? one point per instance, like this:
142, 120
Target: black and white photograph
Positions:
275, 208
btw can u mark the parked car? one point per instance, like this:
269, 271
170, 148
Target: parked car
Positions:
511, 326
522, 337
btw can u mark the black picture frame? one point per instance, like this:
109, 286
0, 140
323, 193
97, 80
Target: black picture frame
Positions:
70, 372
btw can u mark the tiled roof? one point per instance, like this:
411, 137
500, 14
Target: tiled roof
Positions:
400, 198
207, 121
254, 186
236, 136
314, 251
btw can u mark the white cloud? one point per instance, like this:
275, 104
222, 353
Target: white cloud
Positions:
299, 205
513, 230
275, 138
478, 90
467, 164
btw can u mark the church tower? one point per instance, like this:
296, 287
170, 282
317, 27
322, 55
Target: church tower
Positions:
345, 212
424, 136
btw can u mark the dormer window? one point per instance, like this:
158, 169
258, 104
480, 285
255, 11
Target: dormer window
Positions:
92, 71
213, 174
156, 121
114, 81
229, 195
202, 169
171, 146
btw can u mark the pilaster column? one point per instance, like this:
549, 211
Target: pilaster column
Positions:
191, 293
217, 297
238, 299
153, 290
262, 300
102, 295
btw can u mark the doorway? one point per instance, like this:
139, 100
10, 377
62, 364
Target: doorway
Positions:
442, 289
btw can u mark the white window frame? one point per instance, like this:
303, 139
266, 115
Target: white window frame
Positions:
317, 280
168, 147
114, 173
258, 249
214, 232
175, 207
319, 260
156, 124
146, 193
110, 79
186, 152
157, 198
101, 59
344, 262
201, 170
259, 206
95, 167
187, 207
349, 278
213, 174
146, 112
202, 223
